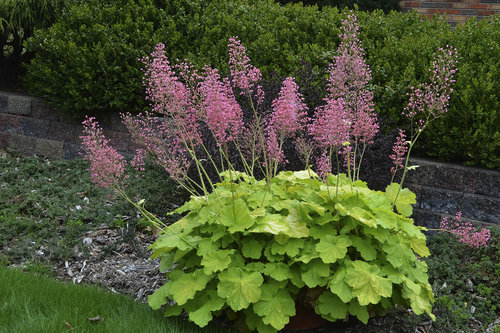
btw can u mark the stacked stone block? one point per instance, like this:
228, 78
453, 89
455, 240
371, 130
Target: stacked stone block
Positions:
30, 127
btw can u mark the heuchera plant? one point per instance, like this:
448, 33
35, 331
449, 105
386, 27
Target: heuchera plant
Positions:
252, 246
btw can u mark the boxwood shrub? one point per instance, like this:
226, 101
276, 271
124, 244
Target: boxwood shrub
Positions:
88, 61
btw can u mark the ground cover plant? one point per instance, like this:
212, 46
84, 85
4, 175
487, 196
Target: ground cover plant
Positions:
253, 241
48, 205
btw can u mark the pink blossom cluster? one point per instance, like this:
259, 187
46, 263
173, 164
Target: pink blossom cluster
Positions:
138, 161
331, 125
400, 148
349, 76
290, 111
220, 110
107, 166
348, 115
158, 137
273, 149
431, 99
170, 97
465, 232
245, 76
323, 165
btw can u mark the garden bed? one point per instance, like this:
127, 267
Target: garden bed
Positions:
54, 221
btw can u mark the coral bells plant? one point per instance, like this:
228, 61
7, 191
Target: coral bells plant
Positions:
256, 240
465, 232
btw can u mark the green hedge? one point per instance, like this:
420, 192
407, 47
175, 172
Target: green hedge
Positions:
385, 5
87, 62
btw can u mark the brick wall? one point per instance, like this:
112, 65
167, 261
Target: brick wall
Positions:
457, 11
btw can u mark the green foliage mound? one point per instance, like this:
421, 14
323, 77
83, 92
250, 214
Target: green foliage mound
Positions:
254, 249
88, 61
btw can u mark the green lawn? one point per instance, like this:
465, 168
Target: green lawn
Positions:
34, 303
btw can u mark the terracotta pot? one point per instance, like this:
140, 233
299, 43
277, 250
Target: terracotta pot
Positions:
305, 318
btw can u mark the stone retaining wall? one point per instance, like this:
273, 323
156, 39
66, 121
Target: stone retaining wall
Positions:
29, 127
445, 189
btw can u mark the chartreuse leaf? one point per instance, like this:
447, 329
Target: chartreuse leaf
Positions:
216, 260
159, 297
239, 287
277, 224
397, 252
420, 247
172, 240
366, 282
275, 305
185, 285
338, 285
251, 248
331, 248
277, 270
200, 309
404, 200
315, 272
259, 198
392, 274
364, 247
386, 218
331, 306
291, 247
296, 228
420, 301
236, 216
308, 253
319, 231
254, 323
359, 311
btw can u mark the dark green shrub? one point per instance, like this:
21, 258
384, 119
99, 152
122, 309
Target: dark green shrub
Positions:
277, 38
18, 19
88, 61
470, 132
385, 5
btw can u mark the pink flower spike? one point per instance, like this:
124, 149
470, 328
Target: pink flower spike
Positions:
289, 109
323, 165
465, 232
400, 148
331, 125
107, 166
245, 76
220, 110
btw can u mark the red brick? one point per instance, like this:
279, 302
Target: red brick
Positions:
412, 4
478, 6
485, 12
446, 11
